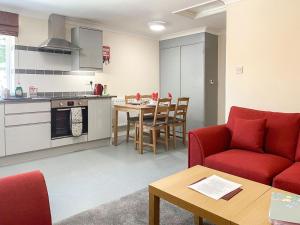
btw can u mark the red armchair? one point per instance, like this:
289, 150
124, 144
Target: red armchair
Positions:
278, 163
24, 200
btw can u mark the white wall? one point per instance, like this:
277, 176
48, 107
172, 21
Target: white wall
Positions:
134, 61
263, 36
221, 76
134, 64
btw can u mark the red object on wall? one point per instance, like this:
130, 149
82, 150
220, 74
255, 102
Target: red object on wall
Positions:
106, 54
24, 200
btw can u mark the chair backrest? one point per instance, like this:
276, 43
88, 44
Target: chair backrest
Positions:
24, 200
131, 98
181, 108
146, 97
162, 110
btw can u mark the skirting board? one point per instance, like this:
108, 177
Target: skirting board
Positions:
51, 152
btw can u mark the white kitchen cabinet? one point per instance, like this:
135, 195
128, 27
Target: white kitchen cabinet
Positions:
15, 108
2, 135
26, 138
28, 118
100, 121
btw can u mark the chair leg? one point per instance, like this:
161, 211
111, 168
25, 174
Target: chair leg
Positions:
167, 137
158, 133
154, 140
127, 131
136, 137
174, 136
184, 133
151, 136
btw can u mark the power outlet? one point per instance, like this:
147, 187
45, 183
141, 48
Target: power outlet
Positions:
239, 70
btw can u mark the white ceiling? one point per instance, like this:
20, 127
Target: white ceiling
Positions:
126, 15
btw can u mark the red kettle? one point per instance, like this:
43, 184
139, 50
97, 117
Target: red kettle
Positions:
98, 89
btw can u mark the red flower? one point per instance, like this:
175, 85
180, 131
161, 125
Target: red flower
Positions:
155, 96
170, 95
138, 96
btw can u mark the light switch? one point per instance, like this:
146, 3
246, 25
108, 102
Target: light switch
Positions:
239, 70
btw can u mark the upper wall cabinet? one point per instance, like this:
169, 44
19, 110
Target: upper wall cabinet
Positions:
89, 57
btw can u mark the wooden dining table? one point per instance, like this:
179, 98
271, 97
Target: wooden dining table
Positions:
141, 110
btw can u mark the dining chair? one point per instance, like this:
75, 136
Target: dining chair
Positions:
159, 122
133, 117
179, 119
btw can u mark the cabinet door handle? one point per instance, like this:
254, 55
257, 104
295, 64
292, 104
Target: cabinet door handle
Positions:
67, 109
61, 110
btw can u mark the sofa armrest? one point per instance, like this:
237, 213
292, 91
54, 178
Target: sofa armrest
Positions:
24, 200
207, 141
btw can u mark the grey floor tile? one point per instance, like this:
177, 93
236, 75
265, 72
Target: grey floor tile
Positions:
83, 180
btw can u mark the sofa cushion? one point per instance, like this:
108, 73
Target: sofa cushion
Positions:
260, 167
289, 179
298, 150
282, 129
282, 135
248, 134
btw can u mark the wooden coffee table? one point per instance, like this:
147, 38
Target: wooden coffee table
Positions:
258, 212
174, 190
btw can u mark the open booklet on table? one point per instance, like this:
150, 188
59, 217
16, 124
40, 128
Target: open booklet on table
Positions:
215, 187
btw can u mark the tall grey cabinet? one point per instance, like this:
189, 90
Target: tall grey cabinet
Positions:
189, 68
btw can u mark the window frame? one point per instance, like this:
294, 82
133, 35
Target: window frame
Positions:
9, 81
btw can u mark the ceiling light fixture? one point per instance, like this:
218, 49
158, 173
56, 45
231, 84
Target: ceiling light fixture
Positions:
157, 25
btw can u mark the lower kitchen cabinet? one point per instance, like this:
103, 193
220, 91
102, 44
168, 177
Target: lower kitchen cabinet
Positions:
2, 136
26, 138
99, 125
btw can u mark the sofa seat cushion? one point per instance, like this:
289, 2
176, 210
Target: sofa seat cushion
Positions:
260, 167
289, 179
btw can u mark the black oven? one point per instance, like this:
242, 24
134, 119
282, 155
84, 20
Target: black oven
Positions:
60, 117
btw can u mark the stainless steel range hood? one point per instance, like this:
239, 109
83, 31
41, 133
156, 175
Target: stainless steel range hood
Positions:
56, 35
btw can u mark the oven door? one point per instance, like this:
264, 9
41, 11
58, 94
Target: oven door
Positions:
60, 122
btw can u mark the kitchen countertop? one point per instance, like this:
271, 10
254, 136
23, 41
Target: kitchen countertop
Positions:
45, 99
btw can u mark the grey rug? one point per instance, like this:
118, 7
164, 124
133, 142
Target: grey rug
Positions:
130, 210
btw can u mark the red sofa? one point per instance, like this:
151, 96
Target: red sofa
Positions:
277, 164
24, 200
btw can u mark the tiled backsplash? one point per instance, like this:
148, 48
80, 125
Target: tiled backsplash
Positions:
54, 72
63, 94
38, 49
47, 70
41, 60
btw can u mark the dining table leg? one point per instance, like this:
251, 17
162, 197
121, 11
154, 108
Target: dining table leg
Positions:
116, 128
141, 131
